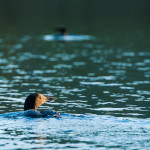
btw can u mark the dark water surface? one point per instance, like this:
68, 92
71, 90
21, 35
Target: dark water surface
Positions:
102, 82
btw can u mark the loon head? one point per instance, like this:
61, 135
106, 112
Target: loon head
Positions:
33, 101
61, 30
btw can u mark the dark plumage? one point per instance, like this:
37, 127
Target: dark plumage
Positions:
30, 102
61, 30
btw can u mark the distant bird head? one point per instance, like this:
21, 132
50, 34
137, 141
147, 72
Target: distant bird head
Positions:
33, 101
61, 30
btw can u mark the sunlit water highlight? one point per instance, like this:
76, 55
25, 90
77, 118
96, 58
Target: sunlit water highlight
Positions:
69, 37
74, 132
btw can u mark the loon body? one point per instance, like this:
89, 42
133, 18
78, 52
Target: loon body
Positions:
33, 101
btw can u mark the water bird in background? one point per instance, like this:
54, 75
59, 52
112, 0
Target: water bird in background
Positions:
63, 35
62, 31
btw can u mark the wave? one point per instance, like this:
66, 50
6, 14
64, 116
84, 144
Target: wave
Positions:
69, 37
65, 116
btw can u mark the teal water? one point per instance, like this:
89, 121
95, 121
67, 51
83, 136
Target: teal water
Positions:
101, 77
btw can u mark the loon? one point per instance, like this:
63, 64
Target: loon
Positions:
33, 101
62, 31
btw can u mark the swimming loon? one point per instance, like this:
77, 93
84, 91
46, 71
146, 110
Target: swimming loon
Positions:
61, 31
33, 101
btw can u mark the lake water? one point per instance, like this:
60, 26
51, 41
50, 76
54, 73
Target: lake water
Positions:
101, 78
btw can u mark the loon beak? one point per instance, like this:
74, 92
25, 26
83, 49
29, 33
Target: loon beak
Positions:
48, 99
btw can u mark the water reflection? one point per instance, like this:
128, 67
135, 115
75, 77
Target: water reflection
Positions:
101, 73
88, 74
69, 37
88, 79
70, 132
